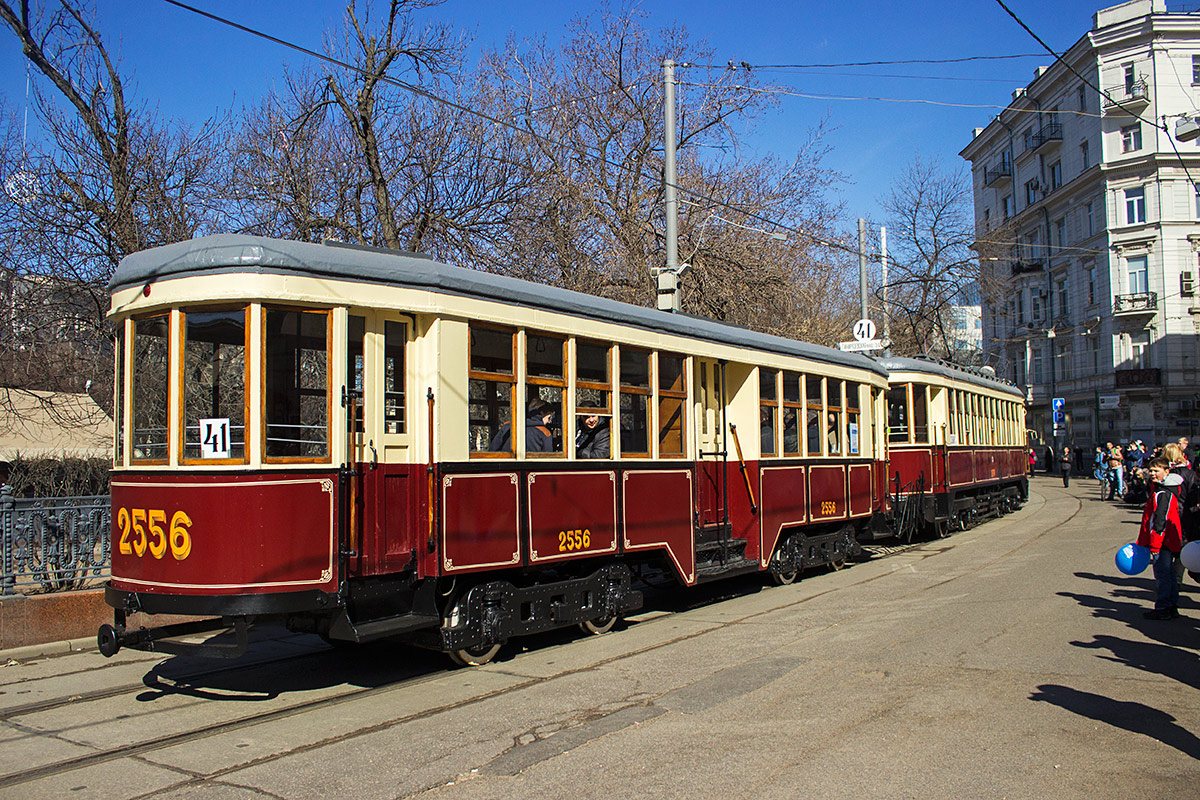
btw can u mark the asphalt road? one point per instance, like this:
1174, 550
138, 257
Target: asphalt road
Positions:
1011, 660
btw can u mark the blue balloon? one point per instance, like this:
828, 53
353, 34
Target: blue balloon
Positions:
1133, 558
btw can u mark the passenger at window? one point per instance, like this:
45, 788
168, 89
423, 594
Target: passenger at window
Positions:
831, 433
538, 438
594, 437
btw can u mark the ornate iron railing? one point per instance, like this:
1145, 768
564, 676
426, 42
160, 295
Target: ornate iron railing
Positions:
53, 544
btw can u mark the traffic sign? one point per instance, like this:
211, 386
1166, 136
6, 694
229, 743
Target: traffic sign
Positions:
1058, 403
1060, 417
864, 330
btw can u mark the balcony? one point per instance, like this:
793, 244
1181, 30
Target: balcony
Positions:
1132, 98
1022, 267
1049, 135
1136, 378
1127, 305
1002, 173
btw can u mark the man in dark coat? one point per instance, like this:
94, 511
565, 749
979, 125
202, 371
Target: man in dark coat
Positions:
593, 439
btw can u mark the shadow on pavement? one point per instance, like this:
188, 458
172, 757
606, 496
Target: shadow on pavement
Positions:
1130, 716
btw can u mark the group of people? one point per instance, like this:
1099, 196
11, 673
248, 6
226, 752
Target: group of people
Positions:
592, 439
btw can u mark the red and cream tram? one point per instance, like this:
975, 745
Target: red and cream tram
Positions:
367, 443
956, 441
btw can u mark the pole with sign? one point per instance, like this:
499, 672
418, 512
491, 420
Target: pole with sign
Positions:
864, 338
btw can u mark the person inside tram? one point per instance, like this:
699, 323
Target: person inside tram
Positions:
831, 433
538, 437
593, 437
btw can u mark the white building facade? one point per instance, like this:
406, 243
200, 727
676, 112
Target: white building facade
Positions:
1089, 229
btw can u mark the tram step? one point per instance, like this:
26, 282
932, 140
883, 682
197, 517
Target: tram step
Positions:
373, 629
712, 534
732, 567
732, 548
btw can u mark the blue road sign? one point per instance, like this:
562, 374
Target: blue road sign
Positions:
1058, 404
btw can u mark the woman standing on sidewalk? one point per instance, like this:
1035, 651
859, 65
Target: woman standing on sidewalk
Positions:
1064, 462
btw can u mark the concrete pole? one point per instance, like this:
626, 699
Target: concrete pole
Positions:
883, 269
862, 266
668, 278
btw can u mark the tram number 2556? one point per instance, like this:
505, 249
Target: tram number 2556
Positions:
145, 531
574, 540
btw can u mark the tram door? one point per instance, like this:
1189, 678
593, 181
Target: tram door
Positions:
710, 439
386, 486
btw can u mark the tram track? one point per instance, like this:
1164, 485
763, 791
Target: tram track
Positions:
183, 685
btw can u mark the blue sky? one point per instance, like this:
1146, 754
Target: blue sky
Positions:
191, 67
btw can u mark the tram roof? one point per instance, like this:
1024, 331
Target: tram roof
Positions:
230, 253
951, 371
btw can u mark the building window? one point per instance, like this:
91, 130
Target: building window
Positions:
1021, 307
1055, 175
1139, 275
1060, 231
1139, 349
1196, 189
1091, 211
1090, 269
1084, 156
1131, 138
1008, 206
1064, 303
1135, 205
1027, 138
1037, 365
1081, 97
1031, 187
1196, 69
987, 219
1130, 78
1062, 364
1093, 354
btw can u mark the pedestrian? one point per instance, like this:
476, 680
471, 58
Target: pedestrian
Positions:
1032, 461
1116, 470
1189, 495
1064, 462
1160, 532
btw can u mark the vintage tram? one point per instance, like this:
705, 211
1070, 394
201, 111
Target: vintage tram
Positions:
955, 446
368, 444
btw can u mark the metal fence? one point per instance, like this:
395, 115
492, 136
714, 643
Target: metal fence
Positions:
53, 544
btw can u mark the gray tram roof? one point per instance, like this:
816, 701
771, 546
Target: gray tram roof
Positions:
230, 253
944, 370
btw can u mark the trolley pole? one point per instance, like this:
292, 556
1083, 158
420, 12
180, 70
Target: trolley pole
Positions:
668, 276
883, 271
862, 266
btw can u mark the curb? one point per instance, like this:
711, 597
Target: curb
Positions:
47, 649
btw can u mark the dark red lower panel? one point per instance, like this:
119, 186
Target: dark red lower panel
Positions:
571, 514
658, 515
860, 490
223, 534
784, 504
480, 524
827, 488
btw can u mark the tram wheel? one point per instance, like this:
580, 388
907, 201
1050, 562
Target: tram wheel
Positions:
599, 625
474, 656
837, 562
784, 578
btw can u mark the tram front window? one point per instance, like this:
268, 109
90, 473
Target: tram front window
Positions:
151, 382
214, 385
297, 384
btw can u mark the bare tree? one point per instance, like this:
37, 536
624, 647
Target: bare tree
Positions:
933, 268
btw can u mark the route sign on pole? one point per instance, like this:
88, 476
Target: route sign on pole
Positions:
864, 330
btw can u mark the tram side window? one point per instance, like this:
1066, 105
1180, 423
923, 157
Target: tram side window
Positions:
490, 391
768, 410
813, 410
356, 369
897, 405
151, 383
672, 400
395, 337
793, 408
545, 384
920, 413
593, 393
853, 446
214, 385
119, 396
297, 384
635, 402
833, 418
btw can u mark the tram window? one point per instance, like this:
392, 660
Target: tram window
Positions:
833, 418
920, 413
768, 410
813, 412
490, 391
852, 443
395, 337
792, 409
897, 405
149, 392
672, 399
119, 396
214, 385
297, 384
356, 368
635, 402
545, 383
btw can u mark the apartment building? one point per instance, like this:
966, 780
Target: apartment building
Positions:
1088, 229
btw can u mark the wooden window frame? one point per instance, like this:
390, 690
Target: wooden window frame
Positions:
777, 418
798, 407
248, 348
648, 392
820, 409
171, 339
497, 377
329, 349
662, 394
559, 383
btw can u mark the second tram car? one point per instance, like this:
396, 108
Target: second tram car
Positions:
366, 443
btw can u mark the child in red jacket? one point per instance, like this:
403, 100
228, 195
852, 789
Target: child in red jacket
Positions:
1161, 533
